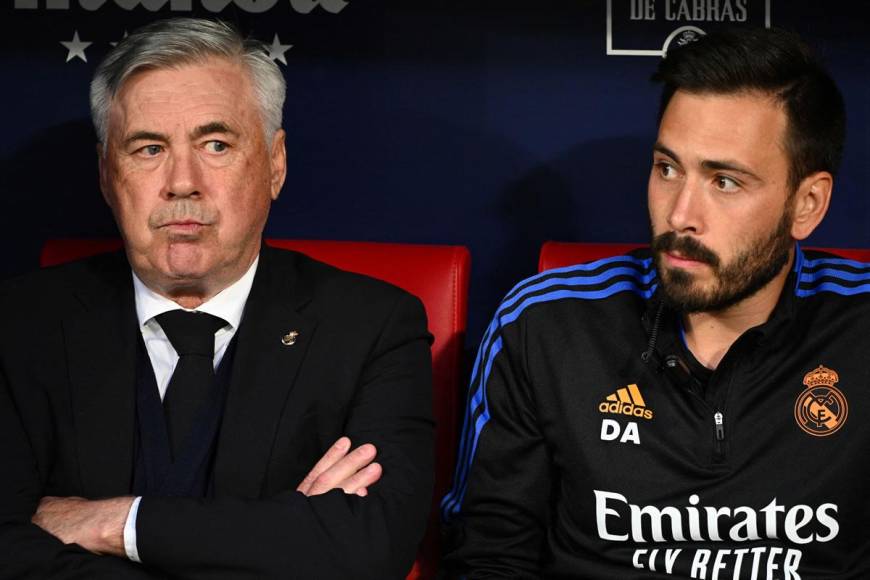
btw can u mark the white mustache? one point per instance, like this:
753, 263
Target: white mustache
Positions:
183, 210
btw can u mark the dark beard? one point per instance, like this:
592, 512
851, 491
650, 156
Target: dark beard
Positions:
749, 272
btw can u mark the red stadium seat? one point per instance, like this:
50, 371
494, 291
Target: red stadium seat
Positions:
438, 275
559, 254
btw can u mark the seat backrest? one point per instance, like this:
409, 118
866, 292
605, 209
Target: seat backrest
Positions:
559, 254
438, 275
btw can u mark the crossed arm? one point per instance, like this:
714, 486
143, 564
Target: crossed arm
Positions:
347, 518
98, 525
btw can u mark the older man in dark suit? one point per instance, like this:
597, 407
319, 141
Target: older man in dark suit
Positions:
187, 409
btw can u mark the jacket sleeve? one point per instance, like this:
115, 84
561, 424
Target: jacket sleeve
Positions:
496, 513
27, 551
332, 535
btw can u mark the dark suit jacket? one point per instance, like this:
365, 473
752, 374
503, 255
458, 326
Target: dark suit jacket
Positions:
360, 367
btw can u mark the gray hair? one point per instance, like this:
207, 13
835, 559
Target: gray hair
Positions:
180, 41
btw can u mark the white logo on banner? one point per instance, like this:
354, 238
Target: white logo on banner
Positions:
76, 48
649, 27
251, 6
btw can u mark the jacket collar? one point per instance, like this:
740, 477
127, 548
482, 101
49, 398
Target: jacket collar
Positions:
100, 335
266, 363
663, 324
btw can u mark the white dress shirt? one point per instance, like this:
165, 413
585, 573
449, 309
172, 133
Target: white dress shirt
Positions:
228, 304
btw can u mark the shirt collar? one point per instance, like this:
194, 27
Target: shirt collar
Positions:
228, 304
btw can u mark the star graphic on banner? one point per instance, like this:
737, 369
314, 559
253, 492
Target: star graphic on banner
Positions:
76, 47
122, 38
277, 50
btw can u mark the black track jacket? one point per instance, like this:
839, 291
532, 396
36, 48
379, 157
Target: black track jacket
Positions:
580, 460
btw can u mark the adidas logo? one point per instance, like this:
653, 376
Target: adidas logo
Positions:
626, 401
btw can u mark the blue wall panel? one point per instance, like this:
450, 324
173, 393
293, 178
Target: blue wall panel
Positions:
496, 125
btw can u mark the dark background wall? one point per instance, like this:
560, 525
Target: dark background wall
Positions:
492, 124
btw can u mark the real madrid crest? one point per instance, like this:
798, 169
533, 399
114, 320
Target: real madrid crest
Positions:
821, 409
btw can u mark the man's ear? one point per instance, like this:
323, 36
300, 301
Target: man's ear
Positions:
278, 158
102, 164
812, 199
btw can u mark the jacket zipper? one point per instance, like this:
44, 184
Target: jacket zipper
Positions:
719, 424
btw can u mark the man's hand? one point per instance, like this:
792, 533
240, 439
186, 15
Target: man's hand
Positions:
352, 471
97, 526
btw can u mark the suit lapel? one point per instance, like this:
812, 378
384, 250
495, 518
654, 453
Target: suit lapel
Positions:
101, 350
264, 372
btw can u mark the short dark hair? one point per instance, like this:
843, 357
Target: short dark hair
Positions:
772, 61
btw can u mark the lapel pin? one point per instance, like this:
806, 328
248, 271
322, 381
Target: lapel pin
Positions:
289, 339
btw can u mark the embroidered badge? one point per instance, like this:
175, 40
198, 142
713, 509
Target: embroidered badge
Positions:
821, 409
